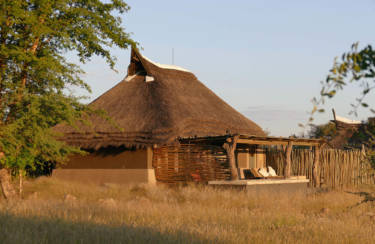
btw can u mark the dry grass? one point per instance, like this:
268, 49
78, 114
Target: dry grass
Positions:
61, 212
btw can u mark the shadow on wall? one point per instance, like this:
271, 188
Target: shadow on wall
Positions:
111, 151
46, 168
42, 230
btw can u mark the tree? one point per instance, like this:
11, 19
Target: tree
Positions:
326, 131
35, 75
366, 136
355, 67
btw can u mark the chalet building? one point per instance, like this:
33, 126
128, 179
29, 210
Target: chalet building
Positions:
164, 126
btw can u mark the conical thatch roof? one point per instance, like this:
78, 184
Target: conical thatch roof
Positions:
156, 104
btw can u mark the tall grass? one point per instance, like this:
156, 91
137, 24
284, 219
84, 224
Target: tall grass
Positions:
60, 212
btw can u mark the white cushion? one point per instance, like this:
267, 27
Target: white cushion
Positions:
263, 172
271, 171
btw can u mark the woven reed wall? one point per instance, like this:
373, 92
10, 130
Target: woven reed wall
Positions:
189, 162
338, 169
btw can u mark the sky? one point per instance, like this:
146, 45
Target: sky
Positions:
265, 58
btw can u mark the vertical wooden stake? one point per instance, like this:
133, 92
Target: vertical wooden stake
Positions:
288, 159
230, 147
316, 166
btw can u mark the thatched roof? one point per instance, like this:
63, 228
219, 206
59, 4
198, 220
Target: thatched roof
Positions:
157, 104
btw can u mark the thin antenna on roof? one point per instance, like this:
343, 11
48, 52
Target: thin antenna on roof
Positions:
172, 55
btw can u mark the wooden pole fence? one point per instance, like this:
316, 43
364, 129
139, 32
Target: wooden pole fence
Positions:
325, 167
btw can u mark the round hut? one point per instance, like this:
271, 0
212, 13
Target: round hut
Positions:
151, 111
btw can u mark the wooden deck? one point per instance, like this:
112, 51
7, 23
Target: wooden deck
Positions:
291, 185
258, 182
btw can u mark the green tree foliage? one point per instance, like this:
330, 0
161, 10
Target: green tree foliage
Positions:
35, 75
366, 136
355, 66
326, 131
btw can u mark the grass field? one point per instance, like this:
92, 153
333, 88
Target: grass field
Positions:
59, 212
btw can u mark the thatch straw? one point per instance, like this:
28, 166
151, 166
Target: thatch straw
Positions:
175, 105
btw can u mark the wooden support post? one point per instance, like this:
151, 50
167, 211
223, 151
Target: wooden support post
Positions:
288, 159
230, 147
316, 166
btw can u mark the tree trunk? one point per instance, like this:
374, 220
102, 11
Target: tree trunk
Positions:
316, 166
21, 173
288, 159
230, 147
6, 186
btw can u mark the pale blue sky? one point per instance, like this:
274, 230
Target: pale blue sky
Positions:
264, 58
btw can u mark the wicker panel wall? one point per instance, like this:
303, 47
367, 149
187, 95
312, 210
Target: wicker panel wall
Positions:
189, 163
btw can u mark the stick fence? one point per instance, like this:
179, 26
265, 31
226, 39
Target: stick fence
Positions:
338, 168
